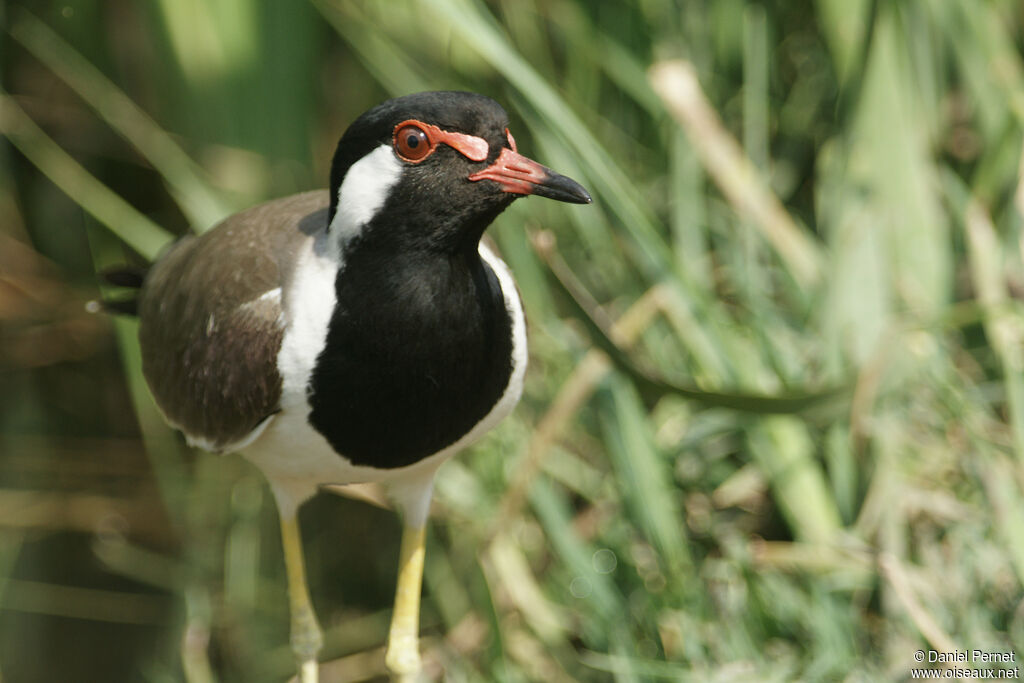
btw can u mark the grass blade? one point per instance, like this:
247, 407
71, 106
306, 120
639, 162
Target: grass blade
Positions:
200, 202
137, 231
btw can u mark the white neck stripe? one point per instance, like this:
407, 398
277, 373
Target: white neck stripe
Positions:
362, 193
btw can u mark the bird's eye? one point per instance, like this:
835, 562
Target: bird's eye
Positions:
412, 143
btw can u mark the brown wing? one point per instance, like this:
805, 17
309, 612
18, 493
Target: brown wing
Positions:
210, 319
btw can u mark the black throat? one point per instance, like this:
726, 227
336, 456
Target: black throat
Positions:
418, 351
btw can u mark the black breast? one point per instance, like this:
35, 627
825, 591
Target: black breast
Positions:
418, 351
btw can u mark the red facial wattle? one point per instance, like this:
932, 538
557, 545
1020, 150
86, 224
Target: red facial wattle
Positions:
469, 146
516, 174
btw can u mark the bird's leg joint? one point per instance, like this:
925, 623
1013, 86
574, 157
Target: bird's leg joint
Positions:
306, 637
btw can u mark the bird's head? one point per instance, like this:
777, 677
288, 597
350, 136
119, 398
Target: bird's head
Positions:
431, 171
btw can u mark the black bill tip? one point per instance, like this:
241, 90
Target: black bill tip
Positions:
519, 175
562, 189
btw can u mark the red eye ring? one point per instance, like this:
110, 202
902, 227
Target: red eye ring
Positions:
412, 143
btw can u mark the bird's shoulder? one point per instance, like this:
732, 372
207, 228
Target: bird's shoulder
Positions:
243, 256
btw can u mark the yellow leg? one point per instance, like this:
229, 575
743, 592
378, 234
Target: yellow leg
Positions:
403, 653
306, 638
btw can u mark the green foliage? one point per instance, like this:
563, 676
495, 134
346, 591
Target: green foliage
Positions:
829, 208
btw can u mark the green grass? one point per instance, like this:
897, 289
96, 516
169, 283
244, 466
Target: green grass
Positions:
773, 427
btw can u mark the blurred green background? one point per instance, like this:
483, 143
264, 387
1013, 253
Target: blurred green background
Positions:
824, 236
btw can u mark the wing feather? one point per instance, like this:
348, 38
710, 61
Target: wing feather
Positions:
211, 321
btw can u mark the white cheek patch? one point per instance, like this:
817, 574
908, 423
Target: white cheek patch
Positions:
363, 192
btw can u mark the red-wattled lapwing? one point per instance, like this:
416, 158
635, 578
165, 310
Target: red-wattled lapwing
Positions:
365, 335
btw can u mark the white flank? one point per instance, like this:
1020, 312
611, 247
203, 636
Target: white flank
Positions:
307, 307
520, 354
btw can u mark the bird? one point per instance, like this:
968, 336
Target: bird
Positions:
363, 334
